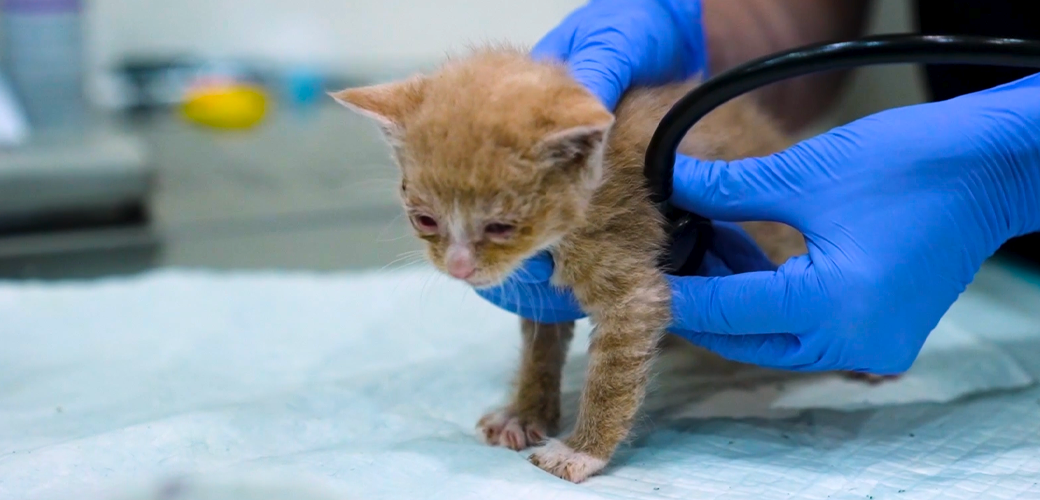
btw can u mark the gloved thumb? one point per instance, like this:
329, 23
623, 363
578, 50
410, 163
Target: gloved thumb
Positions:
783, 301
734, 191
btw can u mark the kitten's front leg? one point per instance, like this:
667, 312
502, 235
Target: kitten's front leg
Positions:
534, 412
630, 320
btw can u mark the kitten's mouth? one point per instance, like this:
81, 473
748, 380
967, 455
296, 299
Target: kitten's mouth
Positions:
478, 278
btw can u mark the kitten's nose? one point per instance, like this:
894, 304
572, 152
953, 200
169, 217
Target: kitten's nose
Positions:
461, 262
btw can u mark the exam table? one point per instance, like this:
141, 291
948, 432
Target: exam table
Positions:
185, 384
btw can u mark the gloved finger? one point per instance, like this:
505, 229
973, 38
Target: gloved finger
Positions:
587, 60
604, 61
742, 190
585, 55
537, 302
606, 82
784, 301
537, 269
777, 351
738, 250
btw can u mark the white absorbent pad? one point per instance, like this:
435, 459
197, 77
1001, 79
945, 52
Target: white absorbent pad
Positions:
199, 385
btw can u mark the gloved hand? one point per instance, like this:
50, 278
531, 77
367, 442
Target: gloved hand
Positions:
899, 210
610, 45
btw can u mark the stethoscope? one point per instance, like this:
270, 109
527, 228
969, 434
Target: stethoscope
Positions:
691, 233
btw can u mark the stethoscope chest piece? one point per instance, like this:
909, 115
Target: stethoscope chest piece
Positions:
689, 237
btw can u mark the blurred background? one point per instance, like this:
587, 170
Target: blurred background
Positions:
203, 138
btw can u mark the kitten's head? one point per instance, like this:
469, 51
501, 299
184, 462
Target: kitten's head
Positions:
499, 155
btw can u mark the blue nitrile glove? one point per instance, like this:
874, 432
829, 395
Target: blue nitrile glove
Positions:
899, 210
610, 45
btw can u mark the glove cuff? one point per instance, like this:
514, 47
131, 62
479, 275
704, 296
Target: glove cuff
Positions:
688, 17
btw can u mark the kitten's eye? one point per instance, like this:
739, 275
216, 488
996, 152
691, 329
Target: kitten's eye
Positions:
425, 223
499, 230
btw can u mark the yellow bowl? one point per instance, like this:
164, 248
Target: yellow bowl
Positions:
232, 107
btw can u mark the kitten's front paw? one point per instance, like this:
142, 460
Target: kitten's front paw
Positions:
562, 461
503, 427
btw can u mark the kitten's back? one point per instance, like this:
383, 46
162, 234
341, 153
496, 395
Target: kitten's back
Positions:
735, 130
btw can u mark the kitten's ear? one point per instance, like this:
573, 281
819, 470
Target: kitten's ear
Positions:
389, 104
574, 145
578, 149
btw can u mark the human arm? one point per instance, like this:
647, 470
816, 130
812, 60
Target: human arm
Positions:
737, 31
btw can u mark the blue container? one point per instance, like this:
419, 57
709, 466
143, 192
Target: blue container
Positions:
43, 57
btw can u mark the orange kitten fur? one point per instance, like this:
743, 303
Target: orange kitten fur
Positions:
502, 157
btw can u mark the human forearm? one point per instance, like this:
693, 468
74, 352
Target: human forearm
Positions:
740, 30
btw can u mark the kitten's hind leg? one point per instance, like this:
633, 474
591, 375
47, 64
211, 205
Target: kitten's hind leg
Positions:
534, 412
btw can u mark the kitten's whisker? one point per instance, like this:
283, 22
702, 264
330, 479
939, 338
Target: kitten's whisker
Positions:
399, 282
422, 291
541, 299
382, 232
462, 297
512, 296
403, 267
407, 254
401, 257
515, 293
405, 263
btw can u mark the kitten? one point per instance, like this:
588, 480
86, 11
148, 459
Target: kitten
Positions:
503, 157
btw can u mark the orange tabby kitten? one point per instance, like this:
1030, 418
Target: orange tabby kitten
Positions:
503, 157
